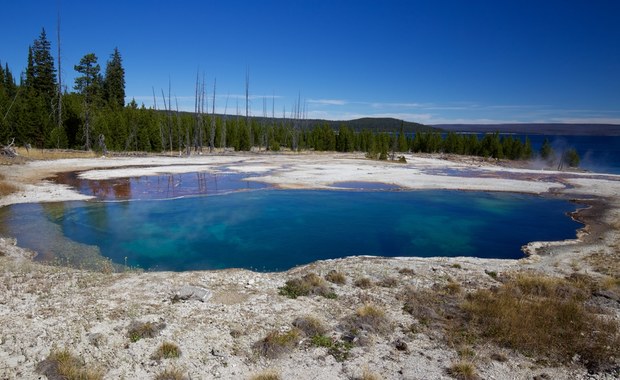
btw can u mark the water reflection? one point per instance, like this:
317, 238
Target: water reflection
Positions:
164, 186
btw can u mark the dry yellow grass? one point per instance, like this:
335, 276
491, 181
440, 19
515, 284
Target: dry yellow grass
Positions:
463, 370
171, 374
269, 374
167, 350
545, 317
52, 154
277, 343
368, 318
63, 365
7, 188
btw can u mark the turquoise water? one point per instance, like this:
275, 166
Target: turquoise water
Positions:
271, 230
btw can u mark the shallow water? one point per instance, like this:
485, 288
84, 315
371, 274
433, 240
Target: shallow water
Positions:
270, 230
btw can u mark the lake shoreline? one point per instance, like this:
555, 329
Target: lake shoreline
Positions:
43, 306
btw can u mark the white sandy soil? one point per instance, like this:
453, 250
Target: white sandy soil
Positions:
42, 307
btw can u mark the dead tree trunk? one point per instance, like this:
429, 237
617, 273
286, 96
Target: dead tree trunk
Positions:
212, 134
9, 150
59, 125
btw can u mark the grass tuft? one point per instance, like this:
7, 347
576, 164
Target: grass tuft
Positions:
463, 370
276, 343
368, 375
363, 283
269, 374
63, 365
167, 350
138, 330
406, 271
388, 282
310, 284
171, 374
368, 318
336, 277
310, 326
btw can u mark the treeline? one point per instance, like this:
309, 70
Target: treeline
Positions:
39, 112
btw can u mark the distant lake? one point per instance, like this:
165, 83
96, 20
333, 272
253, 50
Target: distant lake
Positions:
597, 153
272, 230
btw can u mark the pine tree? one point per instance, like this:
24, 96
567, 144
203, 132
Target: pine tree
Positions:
88, 85
546, 151
29, 80
44, 73
114, 80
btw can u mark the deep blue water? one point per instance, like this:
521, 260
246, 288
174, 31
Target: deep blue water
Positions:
597, 153
279, 229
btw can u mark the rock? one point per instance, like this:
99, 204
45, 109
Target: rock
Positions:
188, 292
401, 345
218, 353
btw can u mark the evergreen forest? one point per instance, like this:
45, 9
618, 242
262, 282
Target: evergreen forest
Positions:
38, 111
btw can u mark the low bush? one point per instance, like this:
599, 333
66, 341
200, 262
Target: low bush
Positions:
310, 284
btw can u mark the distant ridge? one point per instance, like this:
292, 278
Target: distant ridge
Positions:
374, 124
537, 128
377, 124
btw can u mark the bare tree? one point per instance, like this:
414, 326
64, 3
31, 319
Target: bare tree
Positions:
223, 136
212, 134
9, 149
59, 125
161, 131
168, 109
198, 111
247, 106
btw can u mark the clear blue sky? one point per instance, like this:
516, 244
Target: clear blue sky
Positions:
425, 61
